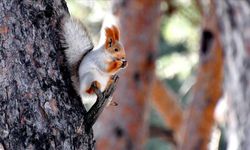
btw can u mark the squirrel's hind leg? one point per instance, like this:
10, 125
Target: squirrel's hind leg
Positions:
97, 85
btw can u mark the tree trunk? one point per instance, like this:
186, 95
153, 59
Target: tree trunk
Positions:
235, 27
126, 126
199, 118
39, 109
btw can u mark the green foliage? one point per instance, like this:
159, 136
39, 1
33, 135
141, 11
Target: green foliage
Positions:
166, 48
155, 118
178, 44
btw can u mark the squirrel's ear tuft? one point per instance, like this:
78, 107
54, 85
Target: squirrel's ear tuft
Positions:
110, 39
116, 32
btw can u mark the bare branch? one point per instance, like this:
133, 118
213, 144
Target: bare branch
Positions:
101, 102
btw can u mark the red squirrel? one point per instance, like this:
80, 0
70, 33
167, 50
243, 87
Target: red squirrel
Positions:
89, 64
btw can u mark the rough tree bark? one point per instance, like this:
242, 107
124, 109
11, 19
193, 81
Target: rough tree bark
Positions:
38, 107
127, 129
199, 116
235, 27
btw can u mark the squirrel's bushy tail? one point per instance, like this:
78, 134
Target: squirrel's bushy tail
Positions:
77, 43
77, 39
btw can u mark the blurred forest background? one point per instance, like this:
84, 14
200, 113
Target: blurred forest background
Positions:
183, 85
178, 45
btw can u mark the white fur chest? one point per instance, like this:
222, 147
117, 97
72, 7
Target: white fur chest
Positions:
92, 68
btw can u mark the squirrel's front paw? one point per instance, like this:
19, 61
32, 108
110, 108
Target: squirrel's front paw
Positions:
115, 65
124, 63
121, 63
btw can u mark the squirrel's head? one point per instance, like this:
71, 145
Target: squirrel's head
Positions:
114, 47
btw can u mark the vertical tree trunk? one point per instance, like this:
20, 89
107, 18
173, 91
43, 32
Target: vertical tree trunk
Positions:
38, 107
199, 119
125, 127
235, 27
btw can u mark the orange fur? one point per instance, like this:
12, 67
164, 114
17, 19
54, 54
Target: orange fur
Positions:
119, 55
115, 48
114, 66
90, 90
110, 38
116, 33
112, 35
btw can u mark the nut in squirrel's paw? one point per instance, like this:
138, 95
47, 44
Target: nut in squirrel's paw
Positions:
124, 63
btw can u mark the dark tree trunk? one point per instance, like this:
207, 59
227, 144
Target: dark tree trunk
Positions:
235, 26
38, 107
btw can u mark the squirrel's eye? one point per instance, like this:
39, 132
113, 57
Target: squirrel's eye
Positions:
116, 50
